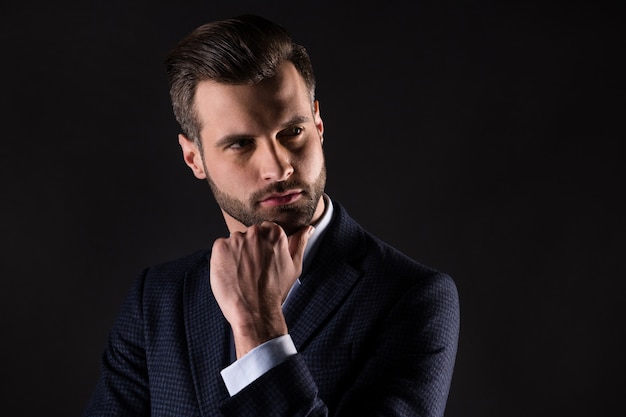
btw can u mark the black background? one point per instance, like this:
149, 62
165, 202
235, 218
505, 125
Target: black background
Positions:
481, 138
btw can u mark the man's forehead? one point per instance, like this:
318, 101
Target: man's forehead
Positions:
270, 102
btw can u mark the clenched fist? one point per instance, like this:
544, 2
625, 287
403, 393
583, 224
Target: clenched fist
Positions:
251, 275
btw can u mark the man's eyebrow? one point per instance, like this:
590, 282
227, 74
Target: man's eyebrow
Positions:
230, 139
296, 121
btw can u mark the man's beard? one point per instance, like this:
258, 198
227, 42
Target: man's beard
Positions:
290, 217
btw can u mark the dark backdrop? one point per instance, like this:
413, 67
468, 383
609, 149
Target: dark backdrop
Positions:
482, 139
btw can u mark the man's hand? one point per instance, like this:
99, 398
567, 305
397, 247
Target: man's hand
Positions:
251, 275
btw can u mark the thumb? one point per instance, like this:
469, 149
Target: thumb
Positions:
297, 244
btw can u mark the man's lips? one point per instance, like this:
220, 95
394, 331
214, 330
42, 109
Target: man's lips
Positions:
288, 197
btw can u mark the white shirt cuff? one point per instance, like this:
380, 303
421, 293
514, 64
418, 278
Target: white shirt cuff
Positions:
257, 362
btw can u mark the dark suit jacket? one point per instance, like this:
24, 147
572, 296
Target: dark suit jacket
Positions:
376, 334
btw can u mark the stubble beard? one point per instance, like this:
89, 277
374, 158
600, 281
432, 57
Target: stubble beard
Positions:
291, 217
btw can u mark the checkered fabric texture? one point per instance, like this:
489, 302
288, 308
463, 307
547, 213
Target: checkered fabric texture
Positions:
376, 334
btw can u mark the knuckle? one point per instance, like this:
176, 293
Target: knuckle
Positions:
219, 243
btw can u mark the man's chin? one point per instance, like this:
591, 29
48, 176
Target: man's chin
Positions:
290, 226
289, 217
291, 229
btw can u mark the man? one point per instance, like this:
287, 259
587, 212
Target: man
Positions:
299, 311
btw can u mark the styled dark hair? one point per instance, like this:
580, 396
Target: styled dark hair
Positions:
242, 50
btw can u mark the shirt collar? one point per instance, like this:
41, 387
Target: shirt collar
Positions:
320, 229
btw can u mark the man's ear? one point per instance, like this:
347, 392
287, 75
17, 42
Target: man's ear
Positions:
192, 156
317, 118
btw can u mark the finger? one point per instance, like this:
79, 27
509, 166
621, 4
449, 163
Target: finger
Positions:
268, 231
297, 244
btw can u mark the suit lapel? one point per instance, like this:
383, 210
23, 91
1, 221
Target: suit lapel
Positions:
329, 279
208, 340
320, 294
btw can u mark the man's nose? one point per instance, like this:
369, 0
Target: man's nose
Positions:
274, 162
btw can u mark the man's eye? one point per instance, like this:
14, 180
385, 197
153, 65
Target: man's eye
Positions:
292, 131
241, 143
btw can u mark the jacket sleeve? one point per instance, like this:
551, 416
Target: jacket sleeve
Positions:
122, 388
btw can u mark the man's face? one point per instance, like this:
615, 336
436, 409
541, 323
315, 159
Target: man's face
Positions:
261, 150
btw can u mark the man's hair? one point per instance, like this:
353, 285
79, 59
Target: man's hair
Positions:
242, 50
